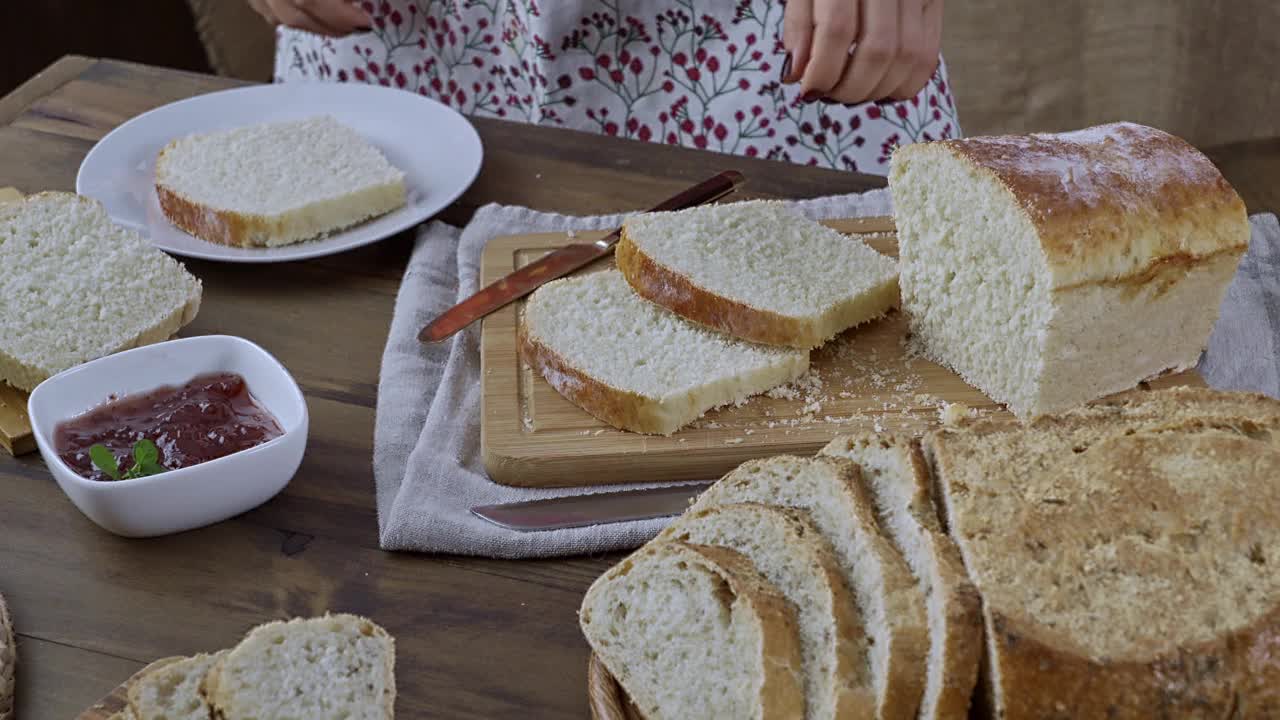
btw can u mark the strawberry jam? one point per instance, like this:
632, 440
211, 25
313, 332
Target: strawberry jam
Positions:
209, 417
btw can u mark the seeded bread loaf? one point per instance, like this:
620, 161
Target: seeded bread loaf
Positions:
335, 667
895, 477
694, 632
76, 287
1124, 554
758, 271
8, 662
830, 490
636, 366
790, 553
276, 183
1050, 270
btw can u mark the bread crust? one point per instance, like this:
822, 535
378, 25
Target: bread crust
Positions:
8, 662
1113, 203
659, 284
620, 408
782, 692
223, 227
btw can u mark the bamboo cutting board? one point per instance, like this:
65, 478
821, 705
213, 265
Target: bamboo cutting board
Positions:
863, 380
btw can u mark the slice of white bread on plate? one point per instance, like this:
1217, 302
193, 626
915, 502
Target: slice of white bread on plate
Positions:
1050, 270
171, 690
757, 270
888, 598
1125, 554
636, 366
276, 183
76, 287
693, 632
8, 662
792, 555
895, 476
335, 667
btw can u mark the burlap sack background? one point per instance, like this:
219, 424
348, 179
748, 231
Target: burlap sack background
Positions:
1202, 69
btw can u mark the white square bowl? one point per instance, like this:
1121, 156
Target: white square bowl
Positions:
188, 497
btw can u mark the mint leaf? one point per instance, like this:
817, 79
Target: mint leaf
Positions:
105, 461
145, 452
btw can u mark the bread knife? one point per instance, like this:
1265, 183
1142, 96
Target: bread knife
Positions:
594, 509
562, 262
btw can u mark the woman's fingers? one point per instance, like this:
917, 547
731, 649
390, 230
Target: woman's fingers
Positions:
875, 56
835, 27
926, 60
324, 17
797, 35
910, 50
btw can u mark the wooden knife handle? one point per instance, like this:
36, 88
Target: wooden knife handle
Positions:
562, 262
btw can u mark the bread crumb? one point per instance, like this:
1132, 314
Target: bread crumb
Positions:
571, 233
953, 413
598, 432
733, 441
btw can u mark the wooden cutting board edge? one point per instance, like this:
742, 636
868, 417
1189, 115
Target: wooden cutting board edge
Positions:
16, 436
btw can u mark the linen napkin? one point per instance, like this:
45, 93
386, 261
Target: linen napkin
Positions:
427, 463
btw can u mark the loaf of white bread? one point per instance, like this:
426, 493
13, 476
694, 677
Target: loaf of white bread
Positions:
1113, 561
275, 183
75, 286
1050, 270
334, 667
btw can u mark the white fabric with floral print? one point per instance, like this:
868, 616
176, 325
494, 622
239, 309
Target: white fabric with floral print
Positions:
698, 74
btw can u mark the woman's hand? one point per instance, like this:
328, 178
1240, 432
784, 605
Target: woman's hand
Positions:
852, 51
325, 17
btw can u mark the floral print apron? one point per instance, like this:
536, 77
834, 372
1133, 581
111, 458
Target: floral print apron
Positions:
695, 73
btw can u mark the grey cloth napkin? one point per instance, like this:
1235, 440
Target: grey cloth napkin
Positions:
427, 463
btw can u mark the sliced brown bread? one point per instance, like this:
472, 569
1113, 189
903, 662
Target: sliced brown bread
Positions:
171, 690
735, 267
791, 554
8, 662
889, 600
334, 667
1124, 552
895, 476
695, 632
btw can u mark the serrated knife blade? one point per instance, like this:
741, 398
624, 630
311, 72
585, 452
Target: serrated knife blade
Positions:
594, 509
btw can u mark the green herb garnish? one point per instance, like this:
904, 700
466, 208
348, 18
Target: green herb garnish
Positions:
146, 461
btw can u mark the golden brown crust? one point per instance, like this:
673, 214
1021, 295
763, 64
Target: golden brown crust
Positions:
663, 286
215, 226
622, 409
1113, 201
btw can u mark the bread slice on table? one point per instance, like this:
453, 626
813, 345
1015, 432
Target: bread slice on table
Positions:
76, 287
693, 632
888, 598
895, 476
171, 690
790, 553
1050, 270
335, 667
276, 183
8, 662
636, 366
1125, 555
757, 270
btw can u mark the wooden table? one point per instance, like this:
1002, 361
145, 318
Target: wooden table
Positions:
476, 638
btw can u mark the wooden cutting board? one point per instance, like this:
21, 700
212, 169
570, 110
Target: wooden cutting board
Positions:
15, 427
863, 380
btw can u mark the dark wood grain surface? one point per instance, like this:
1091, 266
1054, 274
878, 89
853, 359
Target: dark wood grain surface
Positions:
475, 638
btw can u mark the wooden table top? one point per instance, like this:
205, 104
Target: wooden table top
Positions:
475, 638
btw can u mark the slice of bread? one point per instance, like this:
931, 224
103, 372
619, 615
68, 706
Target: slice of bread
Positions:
75, 287
694, 632
335, 667
636, 366
1125, 555
8, 662
757, 270
790, 553
275, 184
892, 608
1050, 270
895, 476
172, 691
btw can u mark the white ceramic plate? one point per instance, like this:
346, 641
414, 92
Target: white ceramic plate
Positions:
438, 150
